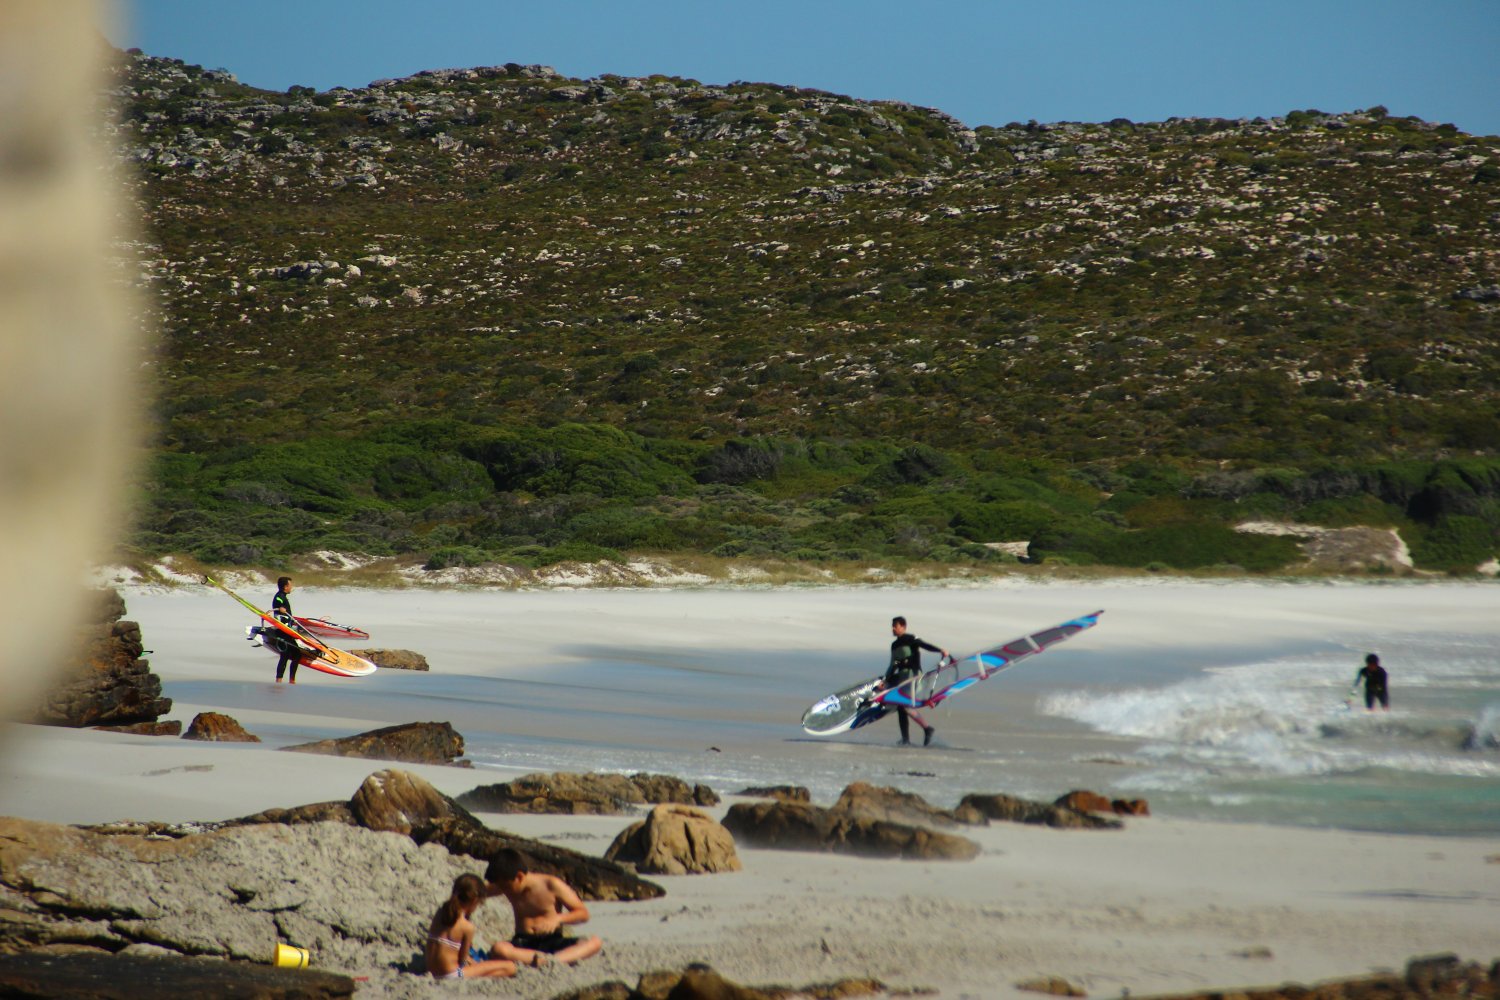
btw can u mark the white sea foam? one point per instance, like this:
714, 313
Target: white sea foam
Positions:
1287, 717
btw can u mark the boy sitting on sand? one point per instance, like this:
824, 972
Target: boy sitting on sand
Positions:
543, 904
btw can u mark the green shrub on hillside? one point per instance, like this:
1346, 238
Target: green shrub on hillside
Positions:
1456, 543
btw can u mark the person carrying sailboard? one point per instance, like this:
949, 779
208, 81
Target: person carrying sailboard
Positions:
906, 663
281, 610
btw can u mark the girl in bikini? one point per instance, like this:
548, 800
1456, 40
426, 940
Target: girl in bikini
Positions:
451, 936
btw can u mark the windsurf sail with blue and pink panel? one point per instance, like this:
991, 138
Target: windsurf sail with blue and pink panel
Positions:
865, 702
955, 676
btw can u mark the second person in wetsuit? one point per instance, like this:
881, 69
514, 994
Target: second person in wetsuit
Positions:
1373, 674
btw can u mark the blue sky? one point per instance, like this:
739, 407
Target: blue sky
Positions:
986, 62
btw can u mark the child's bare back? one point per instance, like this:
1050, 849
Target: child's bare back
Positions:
543, 905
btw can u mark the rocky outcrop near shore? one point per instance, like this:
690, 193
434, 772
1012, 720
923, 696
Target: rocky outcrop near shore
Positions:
110, 684
880, 821
787, 793
400, 802
1008, 808
586, 794
410, 743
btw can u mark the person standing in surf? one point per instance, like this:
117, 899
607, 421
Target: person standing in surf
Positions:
1373, 676
906, 663
281, 610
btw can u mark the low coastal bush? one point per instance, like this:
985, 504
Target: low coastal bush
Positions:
461, 495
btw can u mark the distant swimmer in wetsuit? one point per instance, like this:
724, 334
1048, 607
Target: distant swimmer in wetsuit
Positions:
1373, 676
906, 663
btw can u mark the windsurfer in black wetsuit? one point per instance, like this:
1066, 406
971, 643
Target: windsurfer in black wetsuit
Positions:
281, 610
1373, 675
906, 662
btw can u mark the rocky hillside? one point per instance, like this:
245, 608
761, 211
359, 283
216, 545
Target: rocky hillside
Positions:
503, 248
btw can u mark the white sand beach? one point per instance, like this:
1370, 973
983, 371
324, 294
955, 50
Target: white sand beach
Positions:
1167, 904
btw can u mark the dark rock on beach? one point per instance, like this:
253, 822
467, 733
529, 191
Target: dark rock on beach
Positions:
1053, 985
887, 822
786, 793
1426, 978
560, 792
172, 728
217, 728
980, 808
411, 743
393, 659
1092, 802
110, 684
585, 794
102, 976
891, 805
659, 788
796, 826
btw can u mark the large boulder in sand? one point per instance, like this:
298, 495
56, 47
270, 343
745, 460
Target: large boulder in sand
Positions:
410, 743
798, 827
675, 840
595, 794
400, 802
101, 976
109, 683
215, 727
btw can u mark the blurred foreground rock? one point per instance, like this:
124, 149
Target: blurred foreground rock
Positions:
102, 976
1426, 978
700, 982
109, 683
